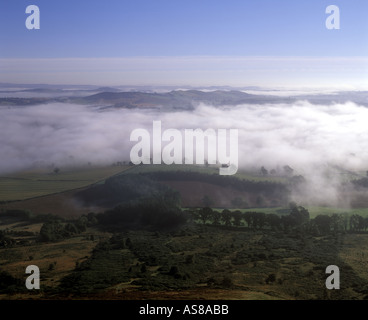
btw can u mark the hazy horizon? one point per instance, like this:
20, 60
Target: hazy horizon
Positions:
240, 43
323, 72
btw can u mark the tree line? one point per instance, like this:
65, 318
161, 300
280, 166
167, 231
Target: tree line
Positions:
298, 218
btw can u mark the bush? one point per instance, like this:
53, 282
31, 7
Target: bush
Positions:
52, 231
227, 282
152, 213
174, 271
9, 284
271, 278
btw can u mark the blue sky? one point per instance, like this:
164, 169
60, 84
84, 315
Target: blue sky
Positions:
167, 28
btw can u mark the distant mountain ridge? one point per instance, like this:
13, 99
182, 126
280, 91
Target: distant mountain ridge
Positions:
178, 99
181, 99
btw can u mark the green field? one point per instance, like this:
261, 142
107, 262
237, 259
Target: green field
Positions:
40, 182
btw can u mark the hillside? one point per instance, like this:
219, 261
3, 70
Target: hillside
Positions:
173, 100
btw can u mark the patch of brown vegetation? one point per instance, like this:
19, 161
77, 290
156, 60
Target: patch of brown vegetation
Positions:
55, 259
62, 204
355, 253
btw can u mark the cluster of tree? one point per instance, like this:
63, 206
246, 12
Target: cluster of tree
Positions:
5, 241
340, 222
325, 224
363, 182
125, 188
299, 216
358, 223
10, 284
153, 212
56, 229
286, 170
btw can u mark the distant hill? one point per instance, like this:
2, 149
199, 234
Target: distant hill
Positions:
107, 89
107, 97
177, 100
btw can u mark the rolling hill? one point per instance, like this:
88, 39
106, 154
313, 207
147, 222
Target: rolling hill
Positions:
179, 99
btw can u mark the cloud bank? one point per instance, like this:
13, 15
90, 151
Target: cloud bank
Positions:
299, 135
304, 136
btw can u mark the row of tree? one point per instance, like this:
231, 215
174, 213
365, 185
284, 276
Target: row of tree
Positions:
298, 217
255, 220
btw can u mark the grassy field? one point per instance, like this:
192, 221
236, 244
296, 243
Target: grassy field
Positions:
40, 182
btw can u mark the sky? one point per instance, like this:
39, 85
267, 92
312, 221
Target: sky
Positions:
166, 42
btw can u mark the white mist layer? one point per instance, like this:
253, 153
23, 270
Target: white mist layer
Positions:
304, 136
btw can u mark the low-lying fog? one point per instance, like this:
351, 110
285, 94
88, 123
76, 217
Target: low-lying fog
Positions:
304, 136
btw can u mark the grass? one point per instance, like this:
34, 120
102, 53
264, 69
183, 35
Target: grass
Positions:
40, 182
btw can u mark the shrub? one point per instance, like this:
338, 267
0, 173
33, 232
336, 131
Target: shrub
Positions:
271, 278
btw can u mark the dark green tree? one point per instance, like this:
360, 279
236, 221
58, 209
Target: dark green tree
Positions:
338, 222
259, 219
300, 215
273, 220
205, 214
52, 231
247, 217
237, 216
323, 223
216, 217
356, 222
226, 217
